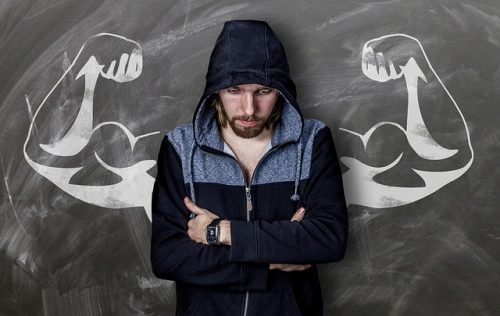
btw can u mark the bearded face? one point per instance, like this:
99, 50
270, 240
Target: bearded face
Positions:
248, 108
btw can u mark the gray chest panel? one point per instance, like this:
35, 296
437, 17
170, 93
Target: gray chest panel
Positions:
278, 165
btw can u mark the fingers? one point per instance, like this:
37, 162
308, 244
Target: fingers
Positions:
109, 73
304, 267
369, 63
382, 71
195, 233
374, 65
288, 267
122, 64
192, 206
299, 214
129, 67
393, 74
380, 58
295, 267
134, 68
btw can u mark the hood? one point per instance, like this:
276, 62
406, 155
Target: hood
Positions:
247, 51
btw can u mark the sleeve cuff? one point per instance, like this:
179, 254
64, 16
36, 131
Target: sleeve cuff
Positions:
244, 246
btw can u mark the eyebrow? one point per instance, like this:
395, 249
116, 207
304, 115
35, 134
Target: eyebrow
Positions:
238, 87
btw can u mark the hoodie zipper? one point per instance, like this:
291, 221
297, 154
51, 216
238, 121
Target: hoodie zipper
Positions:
249, 202
249, 209
248, 197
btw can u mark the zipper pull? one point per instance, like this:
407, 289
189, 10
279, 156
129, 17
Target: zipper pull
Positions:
249, 199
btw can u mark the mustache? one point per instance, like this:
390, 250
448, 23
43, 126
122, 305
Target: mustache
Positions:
247, 118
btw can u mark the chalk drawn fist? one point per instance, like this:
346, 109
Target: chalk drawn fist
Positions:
384, 58
129, 67
112, 57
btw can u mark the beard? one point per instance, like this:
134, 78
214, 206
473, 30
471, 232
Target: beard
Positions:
247, 131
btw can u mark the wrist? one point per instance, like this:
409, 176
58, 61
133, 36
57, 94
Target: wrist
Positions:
225, 232
212, 232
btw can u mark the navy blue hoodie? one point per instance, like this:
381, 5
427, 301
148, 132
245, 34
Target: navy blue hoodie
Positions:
300, 169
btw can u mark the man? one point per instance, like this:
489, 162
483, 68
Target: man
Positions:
228, 202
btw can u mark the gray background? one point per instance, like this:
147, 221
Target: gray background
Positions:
438, 256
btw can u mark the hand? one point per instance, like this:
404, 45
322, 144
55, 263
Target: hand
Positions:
384, 58
129, 67
288, 267
198, 224
113, 57
374, 66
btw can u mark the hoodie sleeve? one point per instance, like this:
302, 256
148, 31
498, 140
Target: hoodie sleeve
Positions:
174, 255
320, 237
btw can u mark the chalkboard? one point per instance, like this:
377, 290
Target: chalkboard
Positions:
410, 90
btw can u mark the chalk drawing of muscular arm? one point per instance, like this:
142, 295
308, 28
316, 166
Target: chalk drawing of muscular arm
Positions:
402, 57
134, 189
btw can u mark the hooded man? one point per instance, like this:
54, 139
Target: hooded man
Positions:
249, 197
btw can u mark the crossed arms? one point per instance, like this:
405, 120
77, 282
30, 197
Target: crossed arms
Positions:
319, 237
197, 226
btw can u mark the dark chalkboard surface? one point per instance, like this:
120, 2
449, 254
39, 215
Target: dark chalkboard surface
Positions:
410, 89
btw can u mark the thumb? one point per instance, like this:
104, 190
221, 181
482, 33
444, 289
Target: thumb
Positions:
192, 206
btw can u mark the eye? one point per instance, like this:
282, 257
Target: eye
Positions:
233, 90
265, 90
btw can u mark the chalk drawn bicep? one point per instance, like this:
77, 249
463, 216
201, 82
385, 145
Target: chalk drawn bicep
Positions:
400, 56
112, 57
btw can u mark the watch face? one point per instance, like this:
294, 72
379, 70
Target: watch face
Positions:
211, 235
211, 232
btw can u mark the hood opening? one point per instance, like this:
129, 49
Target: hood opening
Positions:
247, 51
206, 131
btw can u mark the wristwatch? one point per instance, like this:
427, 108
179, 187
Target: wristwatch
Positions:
212, 232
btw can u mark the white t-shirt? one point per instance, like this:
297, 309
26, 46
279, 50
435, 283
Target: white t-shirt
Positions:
228, 149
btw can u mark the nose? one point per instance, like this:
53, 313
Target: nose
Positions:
249, 104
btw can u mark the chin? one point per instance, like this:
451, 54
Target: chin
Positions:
248, 132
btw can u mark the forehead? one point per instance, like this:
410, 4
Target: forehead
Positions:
249, 86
